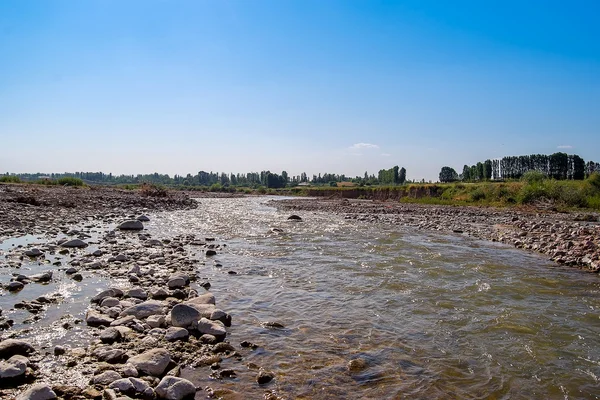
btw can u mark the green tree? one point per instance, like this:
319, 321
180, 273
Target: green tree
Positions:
448, 174
402, 176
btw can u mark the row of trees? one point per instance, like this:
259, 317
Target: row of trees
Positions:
558, 166
267, 179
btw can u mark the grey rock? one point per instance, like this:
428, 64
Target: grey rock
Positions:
123, 385
112, 292
106, 378
183, 315
110, 355
95, 318
110, 302
264, 377
156, 321
176, 283
14, 286
173, 334
152, 362
143, 218
145, 309
110, 335
173, 388
206, 326
74, 243
14, 367
131, 225
39, 391
11, 347
33, 252
137, 293
43, 277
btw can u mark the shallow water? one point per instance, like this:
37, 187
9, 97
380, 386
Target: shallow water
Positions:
434, 316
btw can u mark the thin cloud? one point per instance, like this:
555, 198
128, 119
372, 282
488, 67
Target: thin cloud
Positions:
360, 146
564, 146
386, 155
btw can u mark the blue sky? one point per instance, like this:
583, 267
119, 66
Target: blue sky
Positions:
314, 86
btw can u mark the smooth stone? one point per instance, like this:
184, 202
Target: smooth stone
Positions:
39, 391
206, 298
112, 292
173, 388
110, 302
70, 271
176, 283
174, 333
206, 326
145, 309
183, 315
106, 378
156, 321
123, 385
143, 218
131, 225
137, 293
14, 367
159, 294
110, 335
264, 377
74, 243
110, 355
11, 347
14, 286
152, 362
43, 277
123, 321
294, 217
33, 252
94, 318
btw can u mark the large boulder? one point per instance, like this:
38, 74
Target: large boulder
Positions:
152, 362
39, 391
173, 388
145, 309
10, 347
131, 225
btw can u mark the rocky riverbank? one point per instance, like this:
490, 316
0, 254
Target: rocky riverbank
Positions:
571, 239
145, 331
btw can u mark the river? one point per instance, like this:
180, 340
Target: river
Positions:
431, 315
373, 310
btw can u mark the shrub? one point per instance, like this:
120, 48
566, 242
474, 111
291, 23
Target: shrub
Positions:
594, 181
10, 179
153, 190
70, 181
533, 176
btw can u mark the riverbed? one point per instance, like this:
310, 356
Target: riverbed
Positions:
362, 310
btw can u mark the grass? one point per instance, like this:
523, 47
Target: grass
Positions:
10, 179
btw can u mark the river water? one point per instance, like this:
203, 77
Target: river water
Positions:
422, 314
431, 315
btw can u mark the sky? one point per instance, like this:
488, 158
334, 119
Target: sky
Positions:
315, 86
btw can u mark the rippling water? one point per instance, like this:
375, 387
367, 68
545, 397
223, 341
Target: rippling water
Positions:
433, 316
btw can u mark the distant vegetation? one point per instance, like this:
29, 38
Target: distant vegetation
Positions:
559, 166
220, 181
558, 180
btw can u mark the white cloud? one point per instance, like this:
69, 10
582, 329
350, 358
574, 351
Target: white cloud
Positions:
564, 146
360, 146
386, 155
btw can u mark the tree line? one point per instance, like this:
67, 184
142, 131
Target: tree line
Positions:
266, 179
560, 166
